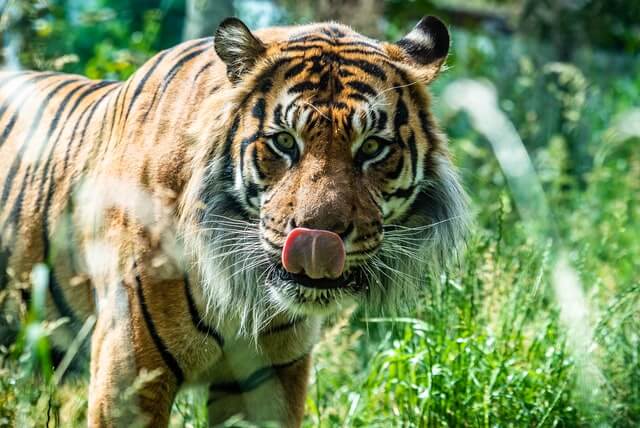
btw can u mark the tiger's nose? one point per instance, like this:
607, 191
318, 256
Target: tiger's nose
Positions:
342, 228
316, 253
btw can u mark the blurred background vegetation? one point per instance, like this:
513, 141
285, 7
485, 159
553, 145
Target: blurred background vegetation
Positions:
489, 344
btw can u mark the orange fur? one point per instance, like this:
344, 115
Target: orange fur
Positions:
135, 193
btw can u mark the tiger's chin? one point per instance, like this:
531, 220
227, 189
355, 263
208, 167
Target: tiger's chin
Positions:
302, 295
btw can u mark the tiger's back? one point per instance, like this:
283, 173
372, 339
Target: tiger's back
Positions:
59, 130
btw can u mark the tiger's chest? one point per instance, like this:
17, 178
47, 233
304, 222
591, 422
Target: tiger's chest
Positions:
242, 364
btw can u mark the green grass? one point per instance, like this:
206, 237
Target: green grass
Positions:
490, 343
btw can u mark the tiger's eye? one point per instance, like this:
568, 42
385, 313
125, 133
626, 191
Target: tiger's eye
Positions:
370, 147
285, 141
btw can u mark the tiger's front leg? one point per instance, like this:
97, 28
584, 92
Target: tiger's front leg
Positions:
275, 393
130, 383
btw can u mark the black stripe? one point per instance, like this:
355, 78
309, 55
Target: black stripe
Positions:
344, 44
364, 65
67, 152
86, 125
94, 87
251, 192
368, 52
17, 161
231, 135
227, 204
244, 145
362, 87
295, 70
414, 156
303, 86
400, 193
9, 76
421, 53
266, 84
395, 174
333, 104
256, 164
304, 48
254, 380
143, 81
193, 44
358, 97
282, 327
173, 71
333, 32
381, 123
197, 320
7, 99
400, 118
258, 111
277, 115
402, 114
100, 141
56, 290
19, 90
374, 200
7, 129
427, 126
267, 74
124, 89
342, 72
60, 302
13, 218
105, 143
166, 355
151, 104
313, 122
291, 106
53, 126
202, 70
273, 153
309, 37
348, 121
4, 265
70, 237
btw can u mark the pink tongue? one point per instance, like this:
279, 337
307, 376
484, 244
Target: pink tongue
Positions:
317, 253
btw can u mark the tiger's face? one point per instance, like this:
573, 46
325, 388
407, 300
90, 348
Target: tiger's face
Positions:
332, 150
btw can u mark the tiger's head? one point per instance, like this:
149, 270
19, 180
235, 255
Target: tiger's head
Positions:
330, 181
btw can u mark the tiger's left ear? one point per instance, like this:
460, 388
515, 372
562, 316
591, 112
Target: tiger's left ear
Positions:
425, 48
237, 47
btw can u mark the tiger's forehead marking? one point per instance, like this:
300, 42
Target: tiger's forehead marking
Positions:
295, 113
336, 78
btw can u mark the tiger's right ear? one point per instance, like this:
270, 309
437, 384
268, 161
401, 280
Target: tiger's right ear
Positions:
237, 47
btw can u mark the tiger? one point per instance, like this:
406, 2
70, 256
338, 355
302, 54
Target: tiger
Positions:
212, 210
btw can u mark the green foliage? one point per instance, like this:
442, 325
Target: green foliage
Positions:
103, 39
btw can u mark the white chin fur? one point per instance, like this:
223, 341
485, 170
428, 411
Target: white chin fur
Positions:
301, 300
